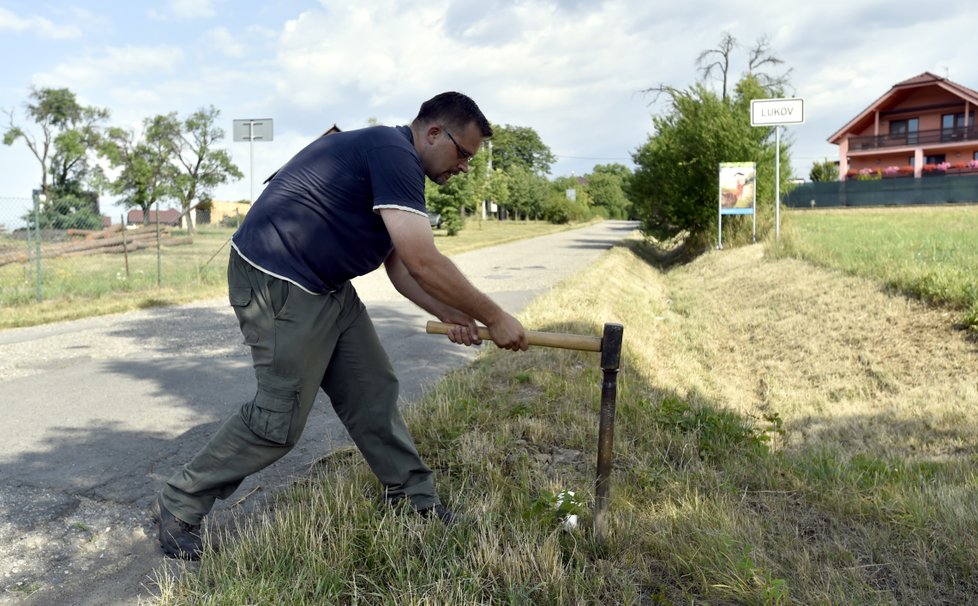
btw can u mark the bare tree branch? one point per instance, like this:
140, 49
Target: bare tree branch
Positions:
727, 44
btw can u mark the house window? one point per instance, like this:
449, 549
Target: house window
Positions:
936, 159
904, 130
953, 126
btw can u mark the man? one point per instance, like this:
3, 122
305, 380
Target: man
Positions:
342, 206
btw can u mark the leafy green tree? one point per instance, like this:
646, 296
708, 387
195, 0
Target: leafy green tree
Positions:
675, 186
202, 167
606, 189
64, 148
146, 161
520, 146
68, 211
460, 195
497, 188
528, 192
562, 207
824, 171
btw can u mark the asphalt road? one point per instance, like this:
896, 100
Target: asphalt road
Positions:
99, 412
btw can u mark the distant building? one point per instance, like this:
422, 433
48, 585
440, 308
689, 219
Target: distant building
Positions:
922, 125
226, 211
170, 217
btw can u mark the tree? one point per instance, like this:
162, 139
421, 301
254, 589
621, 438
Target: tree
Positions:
520, 146
146, 162
460, 195
674, 190
528, 192
201, 166
69, 132
722, 61
606, 189
675, 186
824, 171
497, 188
758, 56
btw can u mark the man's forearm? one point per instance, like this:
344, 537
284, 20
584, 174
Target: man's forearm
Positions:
441, 279
405, 284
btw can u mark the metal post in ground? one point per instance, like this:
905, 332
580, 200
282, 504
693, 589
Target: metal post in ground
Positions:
610, 347
38, 198
610, 365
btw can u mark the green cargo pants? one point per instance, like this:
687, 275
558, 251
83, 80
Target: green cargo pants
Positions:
299, 343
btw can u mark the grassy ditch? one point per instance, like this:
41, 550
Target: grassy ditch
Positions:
785, 435
99, 284
929, 253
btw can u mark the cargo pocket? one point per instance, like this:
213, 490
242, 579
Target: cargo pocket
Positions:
239, 296
271, 413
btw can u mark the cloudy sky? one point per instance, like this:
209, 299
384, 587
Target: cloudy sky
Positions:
570, 69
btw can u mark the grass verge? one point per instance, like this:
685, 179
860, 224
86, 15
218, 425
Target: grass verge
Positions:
928, 253
92, 285
785, 435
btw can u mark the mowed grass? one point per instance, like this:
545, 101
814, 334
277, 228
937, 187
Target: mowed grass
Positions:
930, 252
785, 434
82, 286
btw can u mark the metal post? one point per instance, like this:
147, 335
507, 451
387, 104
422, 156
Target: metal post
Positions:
159, 255
125, 245
251, 153
610, 364
38, 198
777, 182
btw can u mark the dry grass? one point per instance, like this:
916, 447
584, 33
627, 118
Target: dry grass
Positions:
83, 286
846, 364
785, 434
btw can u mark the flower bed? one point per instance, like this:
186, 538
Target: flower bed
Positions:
963, 168
895, 172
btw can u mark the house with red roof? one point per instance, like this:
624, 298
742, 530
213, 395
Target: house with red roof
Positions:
921, 126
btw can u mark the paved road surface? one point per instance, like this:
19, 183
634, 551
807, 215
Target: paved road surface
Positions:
99, 412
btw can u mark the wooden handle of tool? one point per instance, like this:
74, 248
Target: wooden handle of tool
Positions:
535, 337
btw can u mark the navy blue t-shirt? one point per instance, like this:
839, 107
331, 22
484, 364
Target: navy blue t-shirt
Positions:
316, 223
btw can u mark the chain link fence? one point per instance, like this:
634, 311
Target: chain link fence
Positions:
19, 247
56, 255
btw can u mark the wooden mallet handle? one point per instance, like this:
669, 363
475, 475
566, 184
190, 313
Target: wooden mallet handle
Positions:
535, 337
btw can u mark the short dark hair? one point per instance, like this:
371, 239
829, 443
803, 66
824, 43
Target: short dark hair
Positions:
455, 110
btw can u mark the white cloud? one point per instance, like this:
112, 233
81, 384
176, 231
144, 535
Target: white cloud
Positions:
41, 26
226, 43
185, 9
123, 64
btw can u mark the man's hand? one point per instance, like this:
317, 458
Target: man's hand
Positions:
508, 333
431, 280
463, 329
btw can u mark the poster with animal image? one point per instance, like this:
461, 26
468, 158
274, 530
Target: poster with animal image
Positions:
737, 187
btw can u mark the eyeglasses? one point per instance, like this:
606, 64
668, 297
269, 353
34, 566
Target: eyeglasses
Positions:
462, 153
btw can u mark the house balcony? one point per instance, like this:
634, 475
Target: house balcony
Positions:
929, 138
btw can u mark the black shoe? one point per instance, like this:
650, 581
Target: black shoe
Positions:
178, 539
441, 512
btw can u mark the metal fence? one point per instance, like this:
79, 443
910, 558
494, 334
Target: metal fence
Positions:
899, 191
44, 257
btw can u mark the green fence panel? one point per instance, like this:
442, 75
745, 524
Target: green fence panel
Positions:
900, 191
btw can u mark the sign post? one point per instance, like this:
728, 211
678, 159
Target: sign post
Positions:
252, 130
777, 113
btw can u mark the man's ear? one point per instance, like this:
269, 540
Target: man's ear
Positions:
431, 133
